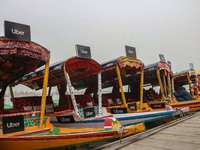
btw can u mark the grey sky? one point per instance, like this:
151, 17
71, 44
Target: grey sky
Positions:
170, 27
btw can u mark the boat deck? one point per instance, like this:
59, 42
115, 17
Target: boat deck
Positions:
185, 135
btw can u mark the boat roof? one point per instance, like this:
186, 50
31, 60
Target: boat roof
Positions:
127, 65
180, 78
81, 72
19, 58
158, 65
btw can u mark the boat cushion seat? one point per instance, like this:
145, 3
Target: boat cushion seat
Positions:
23, 104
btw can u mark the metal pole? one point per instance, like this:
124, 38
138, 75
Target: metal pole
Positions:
11, 92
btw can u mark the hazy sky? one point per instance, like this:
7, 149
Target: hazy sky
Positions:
170, 27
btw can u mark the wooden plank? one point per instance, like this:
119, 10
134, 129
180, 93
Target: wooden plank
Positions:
185, 135
176, 138
142, 147
168, 144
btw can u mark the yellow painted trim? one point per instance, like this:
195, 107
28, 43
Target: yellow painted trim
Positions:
160, 83
121, 86
141, 89
75, 130
44, 93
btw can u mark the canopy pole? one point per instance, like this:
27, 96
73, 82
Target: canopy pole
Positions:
169, 84
141, 89
11, 92
120, 85
189, 81
99, 94
165, 85
196, 84
44, 93
172, 88
160, 83
49, 93
71, 91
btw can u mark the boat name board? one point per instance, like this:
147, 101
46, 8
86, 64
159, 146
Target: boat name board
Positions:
160, 105
132, 106
118, 110
13, 124
83, 52
88, 112
66, 119
130, 51
162, 58
17, 31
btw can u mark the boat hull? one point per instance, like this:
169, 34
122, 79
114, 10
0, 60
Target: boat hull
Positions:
56, 141
194, 105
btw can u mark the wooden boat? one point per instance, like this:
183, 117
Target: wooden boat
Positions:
159, 75
157, 81
32, 129
187, 77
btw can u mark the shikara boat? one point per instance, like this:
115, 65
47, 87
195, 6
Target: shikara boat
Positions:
157, 84
127, 105
187, 78
25, 129
72, 75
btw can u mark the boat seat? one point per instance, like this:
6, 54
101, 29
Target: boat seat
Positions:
32, 103
84, 101
129, 97
111, 100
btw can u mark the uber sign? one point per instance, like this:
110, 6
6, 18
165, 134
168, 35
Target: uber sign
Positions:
83, 51
162, 58
118, 110
130, 51
13, 124
132, 106
66, 119
159, 105
17, 31
88, 112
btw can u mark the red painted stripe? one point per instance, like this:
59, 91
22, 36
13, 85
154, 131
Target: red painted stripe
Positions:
32, 132
61, 137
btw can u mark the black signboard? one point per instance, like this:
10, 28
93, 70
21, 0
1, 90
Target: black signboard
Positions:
118, 110
83, 51
66, 119
88, 112
158, 105
132, 106
170, 64
130, 51
13, 124
191, 66
162, 58
17, 31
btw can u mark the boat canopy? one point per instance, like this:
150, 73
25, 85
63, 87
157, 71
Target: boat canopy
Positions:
81, 72
158, 65
127, 65
183, 77
19, 58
